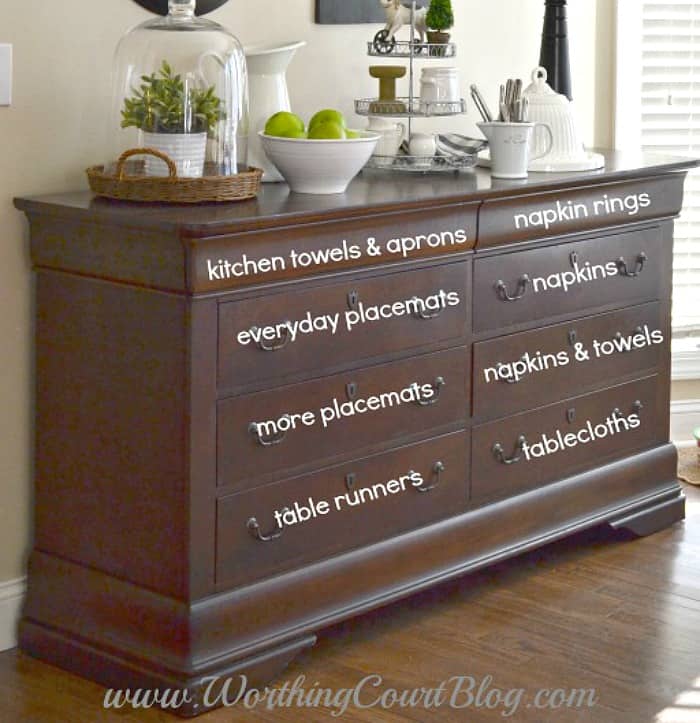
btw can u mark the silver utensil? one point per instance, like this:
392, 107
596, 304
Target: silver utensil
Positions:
480, 104
511, 102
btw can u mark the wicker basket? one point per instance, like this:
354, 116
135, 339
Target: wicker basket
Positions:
135, 186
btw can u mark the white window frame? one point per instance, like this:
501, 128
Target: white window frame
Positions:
628, 136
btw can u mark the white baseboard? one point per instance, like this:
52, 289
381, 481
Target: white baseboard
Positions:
685, 417
11, 598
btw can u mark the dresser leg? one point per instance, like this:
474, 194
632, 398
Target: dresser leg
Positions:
653, 518
185, 696
228, 687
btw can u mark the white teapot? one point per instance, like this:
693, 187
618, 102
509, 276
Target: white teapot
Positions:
556, 111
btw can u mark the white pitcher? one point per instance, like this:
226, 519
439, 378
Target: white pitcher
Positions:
267, 67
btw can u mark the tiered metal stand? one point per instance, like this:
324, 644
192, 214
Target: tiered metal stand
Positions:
384, 47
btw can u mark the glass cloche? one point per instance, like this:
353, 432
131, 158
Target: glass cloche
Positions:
180, 87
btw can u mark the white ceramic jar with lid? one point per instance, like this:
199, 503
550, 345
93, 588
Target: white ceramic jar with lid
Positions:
555, 110
439, 85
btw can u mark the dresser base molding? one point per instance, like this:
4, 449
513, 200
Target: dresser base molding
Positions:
127, 637
655, 517
197, 694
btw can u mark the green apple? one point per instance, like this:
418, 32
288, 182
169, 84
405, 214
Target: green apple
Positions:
327, 115
352, 134
328, 130
285, 124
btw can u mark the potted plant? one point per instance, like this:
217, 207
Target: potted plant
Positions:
439, 19
175, 117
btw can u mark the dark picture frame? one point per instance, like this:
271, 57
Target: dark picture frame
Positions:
337, 12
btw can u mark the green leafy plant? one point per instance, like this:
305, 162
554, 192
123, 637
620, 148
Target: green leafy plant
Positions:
440, 16
162, 105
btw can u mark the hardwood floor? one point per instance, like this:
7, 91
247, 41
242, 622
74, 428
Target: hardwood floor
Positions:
597, 611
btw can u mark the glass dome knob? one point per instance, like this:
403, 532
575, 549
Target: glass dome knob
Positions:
182, 7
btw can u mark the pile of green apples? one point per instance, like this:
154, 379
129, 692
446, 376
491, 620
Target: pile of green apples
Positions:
327, 124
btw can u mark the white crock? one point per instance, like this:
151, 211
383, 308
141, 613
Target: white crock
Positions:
267, 68
439, 85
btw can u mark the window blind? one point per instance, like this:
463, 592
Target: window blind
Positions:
670, 123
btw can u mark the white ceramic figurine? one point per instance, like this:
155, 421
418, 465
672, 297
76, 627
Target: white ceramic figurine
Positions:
398, 15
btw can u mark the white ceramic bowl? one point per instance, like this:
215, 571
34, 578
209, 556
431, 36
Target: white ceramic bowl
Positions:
319, 166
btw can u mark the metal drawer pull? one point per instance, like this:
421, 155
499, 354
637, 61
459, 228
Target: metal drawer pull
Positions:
437, 386
438, 469
270, 441
509, 380
350, 480
427, 315
572, 336
284, 338
500, 455
573, 259
619, 337
351, 390
353, 300
624, 271
502, 289
258, 534
636, 407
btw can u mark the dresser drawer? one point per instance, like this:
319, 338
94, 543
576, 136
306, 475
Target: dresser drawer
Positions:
367, 501
609, 271
527, 370
356, 320
345, 413
551, 443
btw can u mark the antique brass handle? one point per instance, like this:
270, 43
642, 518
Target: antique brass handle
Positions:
499, 453
618, 337
639, 266
269, 441
438, 469
284, 338
254, 529
437, 386
636, 407
509, 380
502, 289
427, 315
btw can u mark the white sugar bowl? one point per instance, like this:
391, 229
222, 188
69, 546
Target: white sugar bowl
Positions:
556, 110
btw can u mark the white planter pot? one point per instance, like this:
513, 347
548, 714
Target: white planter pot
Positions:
187, 150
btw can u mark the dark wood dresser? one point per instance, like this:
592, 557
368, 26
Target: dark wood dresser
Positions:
255, 420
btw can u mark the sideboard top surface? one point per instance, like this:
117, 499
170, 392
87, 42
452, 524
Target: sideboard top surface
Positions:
373, 192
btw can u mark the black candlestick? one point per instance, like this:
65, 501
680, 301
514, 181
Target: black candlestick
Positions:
554, 55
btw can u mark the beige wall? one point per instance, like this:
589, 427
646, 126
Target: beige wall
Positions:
52, 131
686, 389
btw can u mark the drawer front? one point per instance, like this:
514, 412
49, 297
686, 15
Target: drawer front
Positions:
345, 413
549, 444
572, 210
526, 286
527, 370
306, 246
341, 324
363, 506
